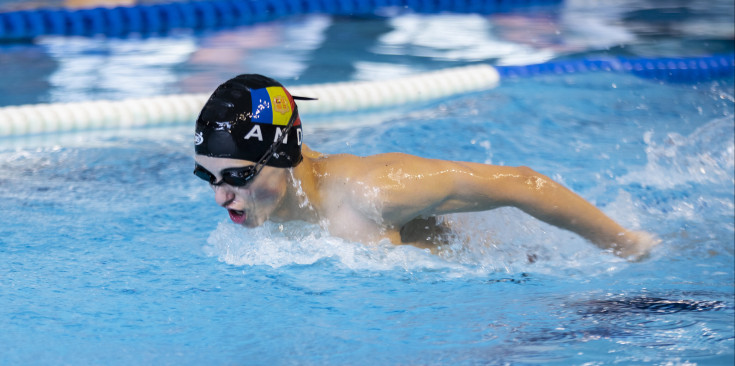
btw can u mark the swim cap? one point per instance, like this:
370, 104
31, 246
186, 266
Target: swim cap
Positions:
244, 117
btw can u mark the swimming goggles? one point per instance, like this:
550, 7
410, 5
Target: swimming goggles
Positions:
236, 177
239, 177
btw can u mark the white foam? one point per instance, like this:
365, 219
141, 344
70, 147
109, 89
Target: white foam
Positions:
299, 243
500, 241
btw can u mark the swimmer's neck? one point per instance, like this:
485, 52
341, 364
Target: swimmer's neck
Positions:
301, 198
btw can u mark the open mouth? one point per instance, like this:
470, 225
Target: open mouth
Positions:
237, 217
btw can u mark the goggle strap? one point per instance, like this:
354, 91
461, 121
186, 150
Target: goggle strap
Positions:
269, 154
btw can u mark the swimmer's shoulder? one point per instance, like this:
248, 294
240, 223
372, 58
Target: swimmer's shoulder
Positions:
346, 161
330, 169
328, 162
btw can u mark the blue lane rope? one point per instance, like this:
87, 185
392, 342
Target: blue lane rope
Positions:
669, 69
200, 15
213, 14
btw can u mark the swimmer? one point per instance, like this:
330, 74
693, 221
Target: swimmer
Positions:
248, 145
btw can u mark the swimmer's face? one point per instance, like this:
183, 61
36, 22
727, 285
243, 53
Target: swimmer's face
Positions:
252, 204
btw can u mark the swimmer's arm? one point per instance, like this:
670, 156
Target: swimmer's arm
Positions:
489, 186
433, 187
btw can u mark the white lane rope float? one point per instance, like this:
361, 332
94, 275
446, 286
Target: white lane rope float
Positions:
333, 98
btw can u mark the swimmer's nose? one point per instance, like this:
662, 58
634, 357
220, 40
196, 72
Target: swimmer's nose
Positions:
223, 195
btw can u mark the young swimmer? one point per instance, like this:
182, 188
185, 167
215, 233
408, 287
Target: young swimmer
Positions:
248, 146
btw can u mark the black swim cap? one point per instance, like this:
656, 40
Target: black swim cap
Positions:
244, 117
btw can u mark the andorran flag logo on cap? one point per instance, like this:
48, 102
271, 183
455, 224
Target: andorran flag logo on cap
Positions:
271, 106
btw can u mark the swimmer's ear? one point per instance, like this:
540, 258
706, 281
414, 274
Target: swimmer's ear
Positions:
303, 98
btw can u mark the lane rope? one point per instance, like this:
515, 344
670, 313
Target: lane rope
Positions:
151, 19
346, 97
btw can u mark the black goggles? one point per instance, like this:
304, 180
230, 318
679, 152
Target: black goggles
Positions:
236, 177
239, 177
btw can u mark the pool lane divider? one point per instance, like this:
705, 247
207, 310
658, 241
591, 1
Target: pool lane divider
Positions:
215, 14
333, 98
692, 69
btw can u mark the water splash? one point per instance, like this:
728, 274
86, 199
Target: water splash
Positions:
501, 241
707, 155
685, 190
299, 243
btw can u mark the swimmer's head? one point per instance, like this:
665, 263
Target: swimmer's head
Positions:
248, 116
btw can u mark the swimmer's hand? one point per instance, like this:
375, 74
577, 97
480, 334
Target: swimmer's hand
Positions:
635, 245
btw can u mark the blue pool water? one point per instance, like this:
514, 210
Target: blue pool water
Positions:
111, 252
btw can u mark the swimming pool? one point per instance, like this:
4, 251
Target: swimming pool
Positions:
111, 252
